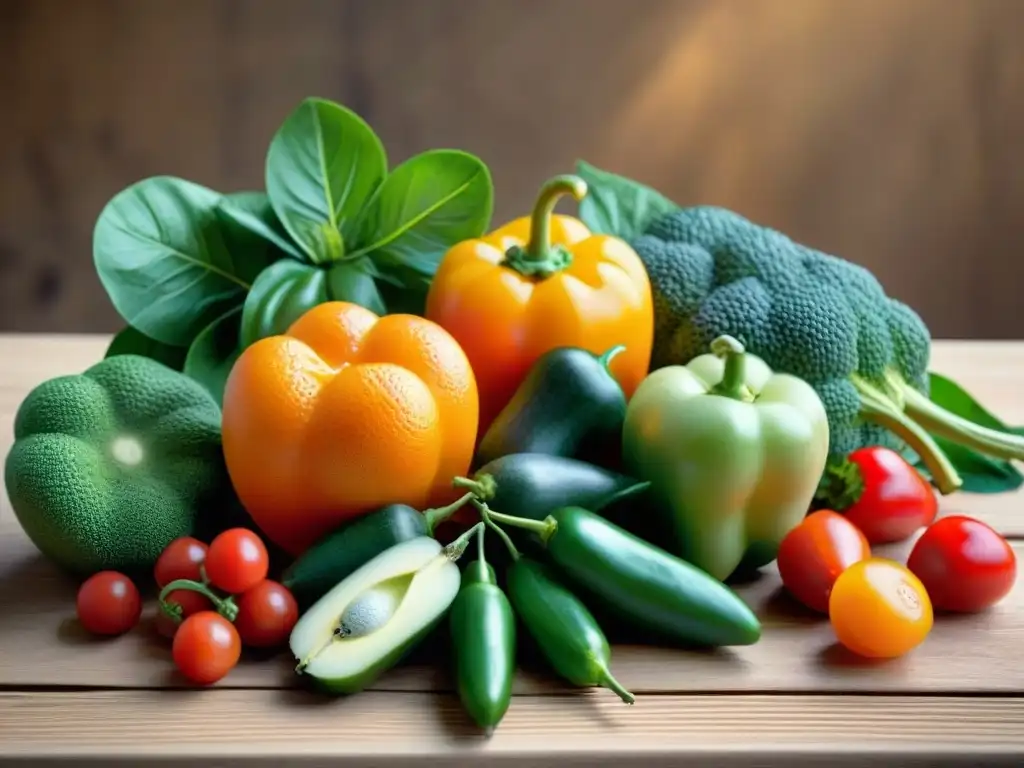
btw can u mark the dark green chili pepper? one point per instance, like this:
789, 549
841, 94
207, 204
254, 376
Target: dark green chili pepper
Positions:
637, 582
483, 633
566, 632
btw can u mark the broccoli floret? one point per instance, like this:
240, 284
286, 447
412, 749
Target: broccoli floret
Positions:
810, 314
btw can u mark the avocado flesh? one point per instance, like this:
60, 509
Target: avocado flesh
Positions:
366, 623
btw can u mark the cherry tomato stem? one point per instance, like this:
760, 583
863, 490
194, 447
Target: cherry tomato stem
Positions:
224, 605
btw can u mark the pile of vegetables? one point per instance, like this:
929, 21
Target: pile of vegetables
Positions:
343, 416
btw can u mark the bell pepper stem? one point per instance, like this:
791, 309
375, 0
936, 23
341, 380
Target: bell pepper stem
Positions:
606, 359
733, 383
539, 257
485, 515
225, 606
438, 515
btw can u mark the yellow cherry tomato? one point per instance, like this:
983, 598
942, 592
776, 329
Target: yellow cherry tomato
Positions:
879, 609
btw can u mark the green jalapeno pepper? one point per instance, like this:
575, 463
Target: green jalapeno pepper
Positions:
637, 582
567, 633
483, 634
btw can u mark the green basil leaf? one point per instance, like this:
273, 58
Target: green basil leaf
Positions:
287, 289
250, 224
214, 352
131, 341
161, 255
615, 205
425, 206
946, 393
323, 164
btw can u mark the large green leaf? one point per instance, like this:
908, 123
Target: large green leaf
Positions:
323, 164
287, 289
615, 205
131, 341
162, 258
214, 352
425, 206
250, 223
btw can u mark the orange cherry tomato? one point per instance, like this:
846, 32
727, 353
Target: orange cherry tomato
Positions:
813, 554
879, 609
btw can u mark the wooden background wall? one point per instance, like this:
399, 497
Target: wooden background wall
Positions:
888, 131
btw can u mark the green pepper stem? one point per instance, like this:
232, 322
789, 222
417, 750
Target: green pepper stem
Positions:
608, 681
605, 360
483, 486
874, 406
540, 258
543, 528
480, 564
455, 549
438, 515
485, 515
225, 606
733, 383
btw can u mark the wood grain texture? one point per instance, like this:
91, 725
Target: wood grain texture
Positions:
880, 130
237, 727
795, 698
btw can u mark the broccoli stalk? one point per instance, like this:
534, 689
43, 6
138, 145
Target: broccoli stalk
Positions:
880, 408
812, 315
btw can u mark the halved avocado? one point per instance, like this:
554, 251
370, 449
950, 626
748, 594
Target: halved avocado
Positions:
364, 625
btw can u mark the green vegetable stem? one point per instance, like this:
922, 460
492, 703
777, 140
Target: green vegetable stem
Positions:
568, 635
816, 316
483, 633
637, 582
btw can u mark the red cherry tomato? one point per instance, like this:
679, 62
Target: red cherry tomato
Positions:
266, 615
964, 564
181, 559
879, 609
813, 554
206, 647
190, 601
108, 603
895, 501
236, 561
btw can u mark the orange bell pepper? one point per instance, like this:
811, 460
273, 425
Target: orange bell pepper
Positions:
542, 282
344, 413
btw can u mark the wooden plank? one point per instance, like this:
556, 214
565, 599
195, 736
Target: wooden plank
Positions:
234, 727
44, 646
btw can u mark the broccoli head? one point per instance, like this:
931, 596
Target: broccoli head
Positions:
810, 314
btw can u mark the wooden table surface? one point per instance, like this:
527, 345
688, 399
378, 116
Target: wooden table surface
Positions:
794, 698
